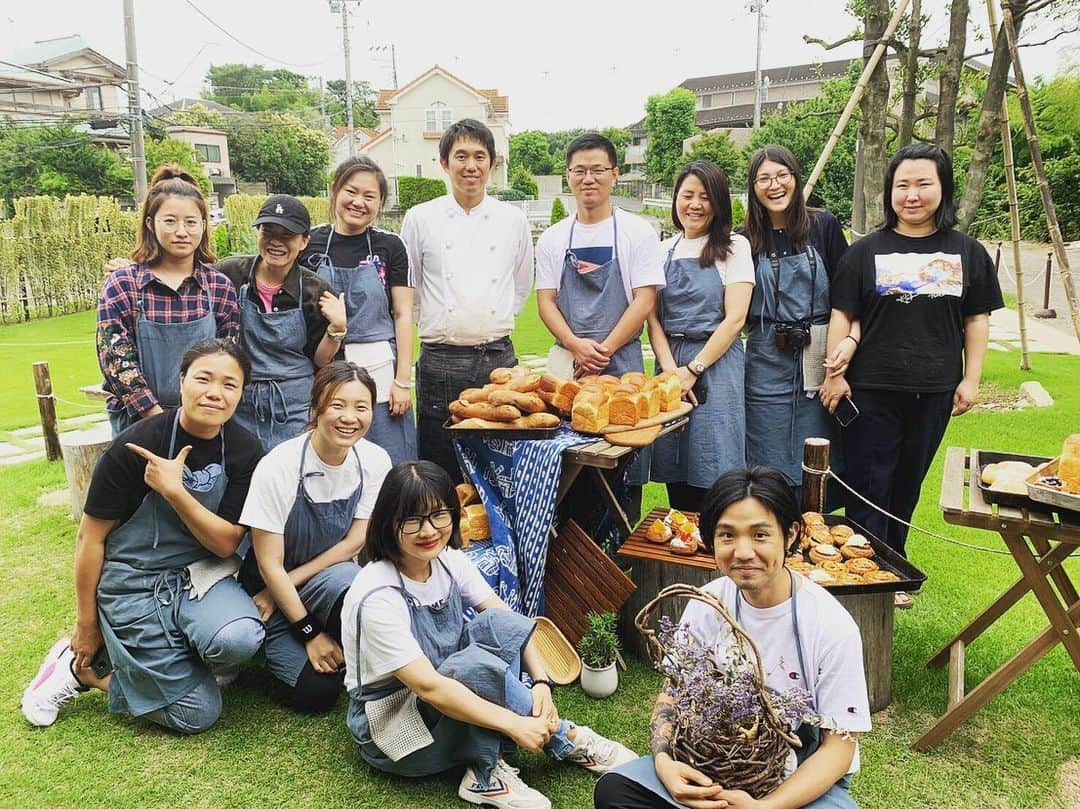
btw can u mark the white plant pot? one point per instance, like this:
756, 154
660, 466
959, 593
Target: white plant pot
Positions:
599, 683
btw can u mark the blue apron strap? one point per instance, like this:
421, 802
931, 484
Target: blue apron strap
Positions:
794, 628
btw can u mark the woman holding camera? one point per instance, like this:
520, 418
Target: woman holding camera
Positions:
795, 252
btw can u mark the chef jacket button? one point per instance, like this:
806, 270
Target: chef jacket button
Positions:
275, 308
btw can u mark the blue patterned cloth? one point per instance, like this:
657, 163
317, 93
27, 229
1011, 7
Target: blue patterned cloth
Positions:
518, 482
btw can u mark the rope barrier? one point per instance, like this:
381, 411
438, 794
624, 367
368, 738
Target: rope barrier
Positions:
829, 473
38, 344
56, 398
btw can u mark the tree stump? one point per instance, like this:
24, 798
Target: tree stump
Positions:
81, 450
873, 614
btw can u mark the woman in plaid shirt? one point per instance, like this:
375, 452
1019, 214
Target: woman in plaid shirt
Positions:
167, 299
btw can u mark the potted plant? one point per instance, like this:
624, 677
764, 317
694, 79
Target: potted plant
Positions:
598, 648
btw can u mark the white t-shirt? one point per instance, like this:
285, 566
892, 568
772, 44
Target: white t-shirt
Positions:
736, 267
386, 639
641, 262
831, 645
273, 484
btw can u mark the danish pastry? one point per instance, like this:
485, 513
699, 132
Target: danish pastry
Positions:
800, 567
860, 566
822, 553
841, 533
683, 545
813, 518
820, 535
834, 566
877, 576
822, 577
658, 532
857, 546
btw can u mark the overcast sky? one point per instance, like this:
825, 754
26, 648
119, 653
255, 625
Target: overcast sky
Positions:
563, 63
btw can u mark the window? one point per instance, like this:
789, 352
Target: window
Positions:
706, 102
208, 153
93, 98
438, 118
419, 169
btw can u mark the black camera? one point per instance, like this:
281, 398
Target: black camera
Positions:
792, 336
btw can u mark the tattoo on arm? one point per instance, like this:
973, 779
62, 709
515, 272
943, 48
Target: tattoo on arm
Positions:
662, 727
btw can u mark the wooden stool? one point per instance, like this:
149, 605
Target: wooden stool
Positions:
81, 450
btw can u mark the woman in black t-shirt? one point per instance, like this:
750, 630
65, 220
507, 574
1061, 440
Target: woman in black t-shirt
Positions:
922, 293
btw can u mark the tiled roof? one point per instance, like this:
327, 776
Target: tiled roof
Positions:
499, 103
775, 75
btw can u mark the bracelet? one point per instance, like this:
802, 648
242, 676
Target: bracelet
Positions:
306, 629
403, 385
337, 336
692, 371
549, 683
849, 337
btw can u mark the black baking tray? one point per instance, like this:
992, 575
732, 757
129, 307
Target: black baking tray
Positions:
984, 458
530, 434
911, 578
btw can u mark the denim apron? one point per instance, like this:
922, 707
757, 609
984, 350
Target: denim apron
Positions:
477, 654
142, 590
691, 308
643, 770
161, 346
592, 303
275, 402
367, 306
310, 529
779, 414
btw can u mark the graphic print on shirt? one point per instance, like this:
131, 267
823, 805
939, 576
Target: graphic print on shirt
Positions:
202, 480
910, 275
589, 258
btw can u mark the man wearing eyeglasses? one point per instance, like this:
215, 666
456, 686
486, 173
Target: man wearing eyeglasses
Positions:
471, 260
597, 275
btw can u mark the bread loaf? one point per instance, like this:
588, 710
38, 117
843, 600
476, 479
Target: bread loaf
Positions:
623, 409
1069, 465
525, 384
588, 415
670, 391
635, 378
473, 395
458, 408
474, 523
558, 401
649, 402
467, 494
530, 422
486, 410
525, 402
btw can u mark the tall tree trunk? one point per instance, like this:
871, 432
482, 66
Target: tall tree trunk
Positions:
989, 131
911, 75
949, 81
873, 108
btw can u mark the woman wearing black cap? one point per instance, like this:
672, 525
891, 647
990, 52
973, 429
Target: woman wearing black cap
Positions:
290, 322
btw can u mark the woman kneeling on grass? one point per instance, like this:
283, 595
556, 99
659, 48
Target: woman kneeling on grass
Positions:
154, 560
805, 638
429, 690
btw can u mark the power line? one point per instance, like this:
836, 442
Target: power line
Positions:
206, 17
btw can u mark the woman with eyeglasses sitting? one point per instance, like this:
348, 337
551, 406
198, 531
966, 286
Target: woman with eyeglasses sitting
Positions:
796, 250
167, 299
429, 690
308, 509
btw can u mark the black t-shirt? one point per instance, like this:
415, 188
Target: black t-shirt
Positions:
239, 270
348, 251
117, 487
911, 296
826, 236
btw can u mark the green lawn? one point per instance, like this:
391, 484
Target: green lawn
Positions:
1008, 755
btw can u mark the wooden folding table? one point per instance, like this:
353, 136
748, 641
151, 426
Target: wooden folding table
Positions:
1039, 541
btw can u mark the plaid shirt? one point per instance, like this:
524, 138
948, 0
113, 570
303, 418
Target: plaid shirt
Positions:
117, 312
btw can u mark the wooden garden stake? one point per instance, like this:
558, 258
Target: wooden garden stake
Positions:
47, 410
815, 474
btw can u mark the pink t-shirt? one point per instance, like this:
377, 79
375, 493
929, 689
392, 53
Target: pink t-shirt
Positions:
267, 293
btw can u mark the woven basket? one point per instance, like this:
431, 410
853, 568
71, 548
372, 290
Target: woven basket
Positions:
750, 759
560, 659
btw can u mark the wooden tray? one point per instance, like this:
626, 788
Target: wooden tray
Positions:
1049, 495
560, 659
983, 458
531, 434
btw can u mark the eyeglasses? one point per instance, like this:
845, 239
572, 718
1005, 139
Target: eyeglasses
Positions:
764, 180
169, 224
596, 171
438, 520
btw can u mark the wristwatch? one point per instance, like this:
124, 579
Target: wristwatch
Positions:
549, 683
696, 367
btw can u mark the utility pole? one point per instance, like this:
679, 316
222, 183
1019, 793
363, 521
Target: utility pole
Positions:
343, 7
393, 59
759, 7
135, 131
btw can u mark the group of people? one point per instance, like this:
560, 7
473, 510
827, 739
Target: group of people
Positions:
269, 492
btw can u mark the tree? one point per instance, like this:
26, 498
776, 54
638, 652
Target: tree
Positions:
363, 103
717, 147
253, 88
170, 150
558, 211
949, 80
414, 190
669, 120
521, 180
911, 75
280, 150
873, 111
532, 151
621, 138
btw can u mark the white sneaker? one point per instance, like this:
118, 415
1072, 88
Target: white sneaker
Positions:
225, 674
504, 790
597, 754
53, 686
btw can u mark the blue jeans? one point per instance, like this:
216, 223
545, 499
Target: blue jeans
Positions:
519, 700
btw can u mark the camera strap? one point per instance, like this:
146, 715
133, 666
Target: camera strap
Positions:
774, 260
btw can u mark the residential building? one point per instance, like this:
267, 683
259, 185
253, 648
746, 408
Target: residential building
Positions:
339, 142
413, 118
212, 146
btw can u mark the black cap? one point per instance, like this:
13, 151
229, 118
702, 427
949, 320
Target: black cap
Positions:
284, 210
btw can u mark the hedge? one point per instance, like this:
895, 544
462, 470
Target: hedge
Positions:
242, 209
414, 190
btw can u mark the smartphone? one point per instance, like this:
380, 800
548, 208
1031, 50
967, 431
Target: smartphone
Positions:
701, 390
846, 411
101, 663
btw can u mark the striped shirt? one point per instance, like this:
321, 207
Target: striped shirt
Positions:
117, 311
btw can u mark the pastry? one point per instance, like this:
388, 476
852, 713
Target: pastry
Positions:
587, 415
813, 518
474, 523
683, 546
525, 402
857, 546
677, 518
993, 471
500, 376
878, 576
1069, 465
821, 535
658, 532
525, 384
822, 577
532, 421
846, 577
467, 494
834, 566
491, 412
824, 553
1009, 483
860, 566
800, 567
841, 533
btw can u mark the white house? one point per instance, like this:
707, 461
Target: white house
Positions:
414, 117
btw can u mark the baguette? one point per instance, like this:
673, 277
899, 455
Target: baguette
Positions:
486, 410
525, 384
471, 395
530, 422
457, 408
525, 402
501, 376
